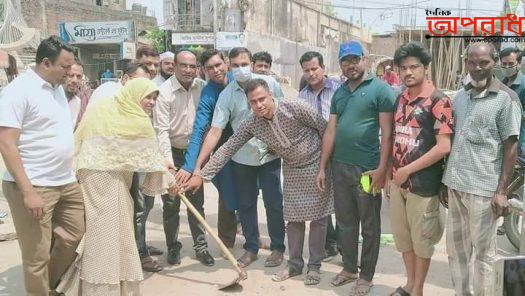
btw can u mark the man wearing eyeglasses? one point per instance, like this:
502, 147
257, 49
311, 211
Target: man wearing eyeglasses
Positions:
173, 118
360, 108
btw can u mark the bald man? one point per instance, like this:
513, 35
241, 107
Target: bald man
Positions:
487, 118
173, 119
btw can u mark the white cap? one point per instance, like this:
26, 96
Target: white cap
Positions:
167, 55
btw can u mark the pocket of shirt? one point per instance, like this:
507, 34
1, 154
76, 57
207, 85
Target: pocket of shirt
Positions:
478, 131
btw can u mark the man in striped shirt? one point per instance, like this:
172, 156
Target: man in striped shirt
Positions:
318, 93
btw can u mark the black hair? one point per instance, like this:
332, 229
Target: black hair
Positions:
237, 51
310, 55
412, 49
132, 67
262, 56
507, 51
252, 84
208, 54
50, 48
146, 50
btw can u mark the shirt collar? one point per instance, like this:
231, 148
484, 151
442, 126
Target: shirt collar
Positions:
517, 81
426, 91
367, 79
494, 86
329, 83
41, 82
177, 86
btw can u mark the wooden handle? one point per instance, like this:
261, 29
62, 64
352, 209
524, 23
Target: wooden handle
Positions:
223, 248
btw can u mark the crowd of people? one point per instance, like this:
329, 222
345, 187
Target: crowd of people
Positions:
83, 170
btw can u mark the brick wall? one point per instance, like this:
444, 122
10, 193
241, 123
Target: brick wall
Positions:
46, 14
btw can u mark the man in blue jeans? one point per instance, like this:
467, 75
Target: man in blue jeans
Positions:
251, 163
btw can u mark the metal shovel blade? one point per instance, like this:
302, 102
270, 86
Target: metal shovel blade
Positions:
241, 277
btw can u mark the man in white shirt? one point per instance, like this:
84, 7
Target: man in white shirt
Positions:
36, 142
167, 64
75, 77
173, 118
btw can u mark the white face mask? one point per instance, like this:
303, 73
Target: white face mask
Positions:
509, 72
242, 74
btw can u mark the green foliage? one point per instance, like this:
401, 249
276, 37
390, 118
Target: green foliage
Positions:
158, 37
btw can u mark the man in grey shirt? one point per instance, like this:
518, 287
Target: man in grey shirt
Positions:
487, 119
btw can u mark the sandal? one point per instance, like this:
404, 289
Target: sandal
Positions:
285, 274
150, 264
361, 288
343, 278
313, 277
400, 292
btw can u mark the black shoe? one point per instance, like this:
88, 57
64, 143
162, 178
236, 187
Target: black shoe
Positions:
174, 257
205, 258
154, 251
331, 251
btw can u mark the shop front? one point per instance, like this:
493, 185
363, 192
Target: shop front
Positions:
101, 46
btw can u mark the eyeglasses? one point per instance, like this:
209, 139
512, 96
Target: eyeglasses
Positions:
508, 65
187, 66
411, 67
351, 61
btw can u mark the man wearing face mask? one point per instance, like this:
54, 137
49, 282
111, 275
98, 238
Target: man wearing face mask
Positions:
251, 163
166, 67
510, 64
487, 116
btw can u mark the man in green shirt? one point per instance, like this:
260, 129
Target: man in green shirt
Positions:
360, 109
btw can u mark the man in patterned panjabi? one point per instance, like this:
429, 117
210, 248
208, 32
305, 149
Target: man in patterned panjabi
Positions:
292, 130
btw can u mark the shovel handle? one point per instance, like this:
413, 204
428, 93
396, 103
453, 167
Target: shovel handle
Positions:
223, 248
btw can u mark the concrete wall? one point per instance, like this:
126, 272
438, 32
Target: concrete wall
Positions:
288, 28
384, 45
46, 14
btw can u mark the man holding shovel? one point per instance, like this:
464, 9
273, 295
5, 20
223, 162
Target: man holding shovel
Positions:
292, 130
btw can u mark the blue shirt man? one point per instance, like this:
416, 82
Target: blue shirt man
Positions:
215, 67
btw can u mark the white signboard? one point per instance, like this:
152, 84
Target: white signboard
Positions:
192, 38
97, 32
229, 40
128, 50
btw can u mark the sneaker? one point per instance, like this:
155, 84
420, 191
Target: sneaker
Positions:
205, 258
154, 251
173, 256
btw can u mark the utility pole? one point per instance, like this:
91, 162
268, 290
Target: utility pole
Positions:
215, 23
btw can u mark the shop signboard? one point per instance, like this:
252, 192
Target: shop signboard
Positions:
97, 32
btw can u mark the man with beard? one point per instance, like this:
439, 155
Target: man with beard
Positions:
166, 67
487, 118
360, 109
148, 56
253, 162
422, 130
74, 79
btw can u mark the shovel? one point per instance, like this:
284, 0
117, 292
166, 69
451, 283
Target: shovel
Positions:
242, 274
